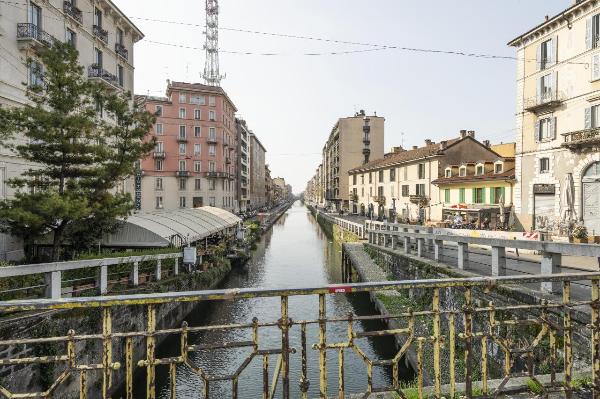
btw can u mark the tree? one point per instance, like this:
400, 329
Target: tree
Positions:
84, 141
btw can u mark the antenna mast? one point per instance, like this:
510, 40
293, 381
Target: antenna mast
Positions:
211, 66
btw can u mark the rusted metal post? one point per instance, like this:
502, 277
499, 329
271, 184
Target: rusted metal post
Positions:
106, 352
550, 264
341, 389
150, 351
498, 261
304, 382
285, 346
595, 324
129, 368
468, 315
437, 344
568, 337
463, 255
53, 284
322, 346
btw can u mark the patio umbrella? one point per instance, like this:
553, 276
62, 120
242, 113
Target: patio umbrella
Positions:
568, 199
502, 210
512, 218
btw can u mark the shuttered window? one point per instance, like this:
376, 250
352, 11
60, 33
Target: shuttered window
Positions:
461, 195
545, 129
447, 196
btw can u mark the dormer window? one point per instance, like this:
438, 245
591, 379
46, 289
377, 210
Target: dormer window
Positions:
462, 171
448, 172
498, 167
479, 170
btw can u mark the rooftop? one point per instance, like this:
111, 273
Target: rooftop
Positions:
506, 175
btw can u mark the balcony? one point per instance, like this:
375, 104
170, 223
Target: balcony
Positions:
159, 155
31, 36
380, 199
121, 51
100, 33
419, 199
216, 175
211, 140
183, 173
228, 161
582, 138
96, 72
73, 12
548, 101
182, 139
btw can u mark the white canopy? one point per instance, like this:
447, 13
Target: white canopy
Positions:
174, 227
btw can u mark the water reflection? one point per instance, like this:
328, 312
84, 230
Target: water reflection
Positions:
294, 253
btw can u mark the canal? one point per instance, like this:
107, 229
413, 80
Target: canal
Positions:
294, 253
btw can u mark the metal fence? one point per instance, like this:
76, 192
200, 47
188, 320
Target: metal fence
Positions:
459, 340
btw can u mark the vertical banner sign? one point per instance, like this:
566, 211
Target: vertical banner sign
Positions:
138, 189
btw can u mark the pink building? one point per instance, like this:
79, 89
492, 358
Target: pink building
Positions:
194, 162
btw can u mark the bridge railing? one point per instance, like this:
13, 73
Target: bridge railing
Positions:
550, 261
53, 284
457, 341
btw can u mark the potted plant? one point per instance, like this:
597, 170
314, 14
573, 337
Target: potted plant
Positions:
580, 234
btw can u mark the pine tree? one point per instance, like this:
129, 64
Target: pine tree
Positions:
84, 141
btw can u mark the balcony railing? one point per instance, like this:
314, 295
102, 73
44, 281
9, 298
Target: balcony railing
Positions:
159, 154
419, 199
582, 138
182, 139
183, 173
32, 32
546, 101
73, 12
100, 33
211, 140
97, 72
216, 175
121, 51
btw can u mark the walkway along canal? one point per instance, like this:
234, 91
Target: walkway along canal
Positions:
294, 253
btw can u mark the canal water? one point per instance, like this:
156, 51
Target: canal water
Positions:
294, 253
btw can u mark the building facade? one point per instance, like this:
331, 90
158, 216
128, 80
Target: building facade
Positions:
194, 163
101, 33
243, 163
558, 119
258, 191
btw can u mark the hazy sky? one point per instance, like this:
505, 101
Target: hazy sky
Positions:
292, 100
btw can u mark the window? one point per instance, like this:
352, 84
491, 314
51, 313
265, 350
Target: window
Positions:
182, 183
197, 184
545, 56
197, 131
381, 176
479, 195
182, 148
71, 38
545, 129
211, 101
405, 190
448, 172
158, 128
592, 117
546, 88
421, 171
197, 114
159, 147
497, 195
370, 178
182, 113
197, 99
498, 167
212, 133
159, 202
158, 111
120, 75
197, 166
196, 149
362, 179
447, 196
36, 74
544, 165
211, 201
182, 133
159, 183
211, 116
380, 191
420, 189
182, 98
212, 149
461, 195
98, 59
212, 185
211, 166
35, 15
595, 66
479, 169
462, 171
182, 202
97, 17
393, 174
354, 180
593, 32
119, 38
182, 165
158, 164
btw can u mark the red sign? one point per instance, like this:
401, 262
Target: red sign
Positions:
340, 290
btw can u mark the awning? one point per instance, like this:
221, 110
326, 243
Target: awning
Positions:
174, 227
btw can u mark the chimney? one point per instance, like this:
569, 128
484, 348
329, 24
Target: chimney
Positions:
463, 134
415, 147
471, 133
398, 149
443, 145
486, 143
428, 142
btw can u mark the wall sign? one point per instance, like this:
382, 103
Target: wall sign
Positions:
544, 189
138, 189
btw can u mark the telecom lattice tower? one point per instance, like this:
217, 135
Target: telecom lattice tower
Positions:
211, 66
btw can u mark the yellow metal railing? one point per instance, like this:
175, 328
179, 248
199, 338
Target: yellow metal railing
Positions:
461, 340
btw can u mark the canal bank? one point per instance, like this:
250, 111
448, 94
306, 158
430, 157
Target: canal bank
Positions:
296, 252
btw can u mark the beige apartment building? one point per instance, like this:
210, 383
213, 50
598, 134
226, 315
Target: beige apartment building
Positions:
258, 192
353, 141
101, 33
558, 119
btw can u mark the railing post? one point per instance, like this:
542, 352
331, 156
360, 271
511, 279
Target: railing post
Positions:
176, 266
158, 270
406, 245
550, 265
53, 284
463, 255
498, 261
438, 249
103, 279
420, 245
394, 242
135, 274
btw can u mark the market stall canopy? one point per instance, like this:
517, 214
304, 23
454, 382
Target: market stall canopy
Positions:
171, 228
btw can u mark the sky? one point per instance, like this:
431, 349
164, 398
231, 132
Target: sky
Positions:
292, 100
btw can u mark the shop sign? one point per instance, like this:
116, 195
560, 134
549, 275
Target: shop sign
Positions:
544, 189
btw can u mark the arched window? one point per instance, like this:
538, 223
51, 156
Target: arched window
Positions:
592, 172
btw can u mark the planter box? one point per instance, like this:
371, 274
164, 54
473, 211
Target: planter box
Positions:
580, 240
